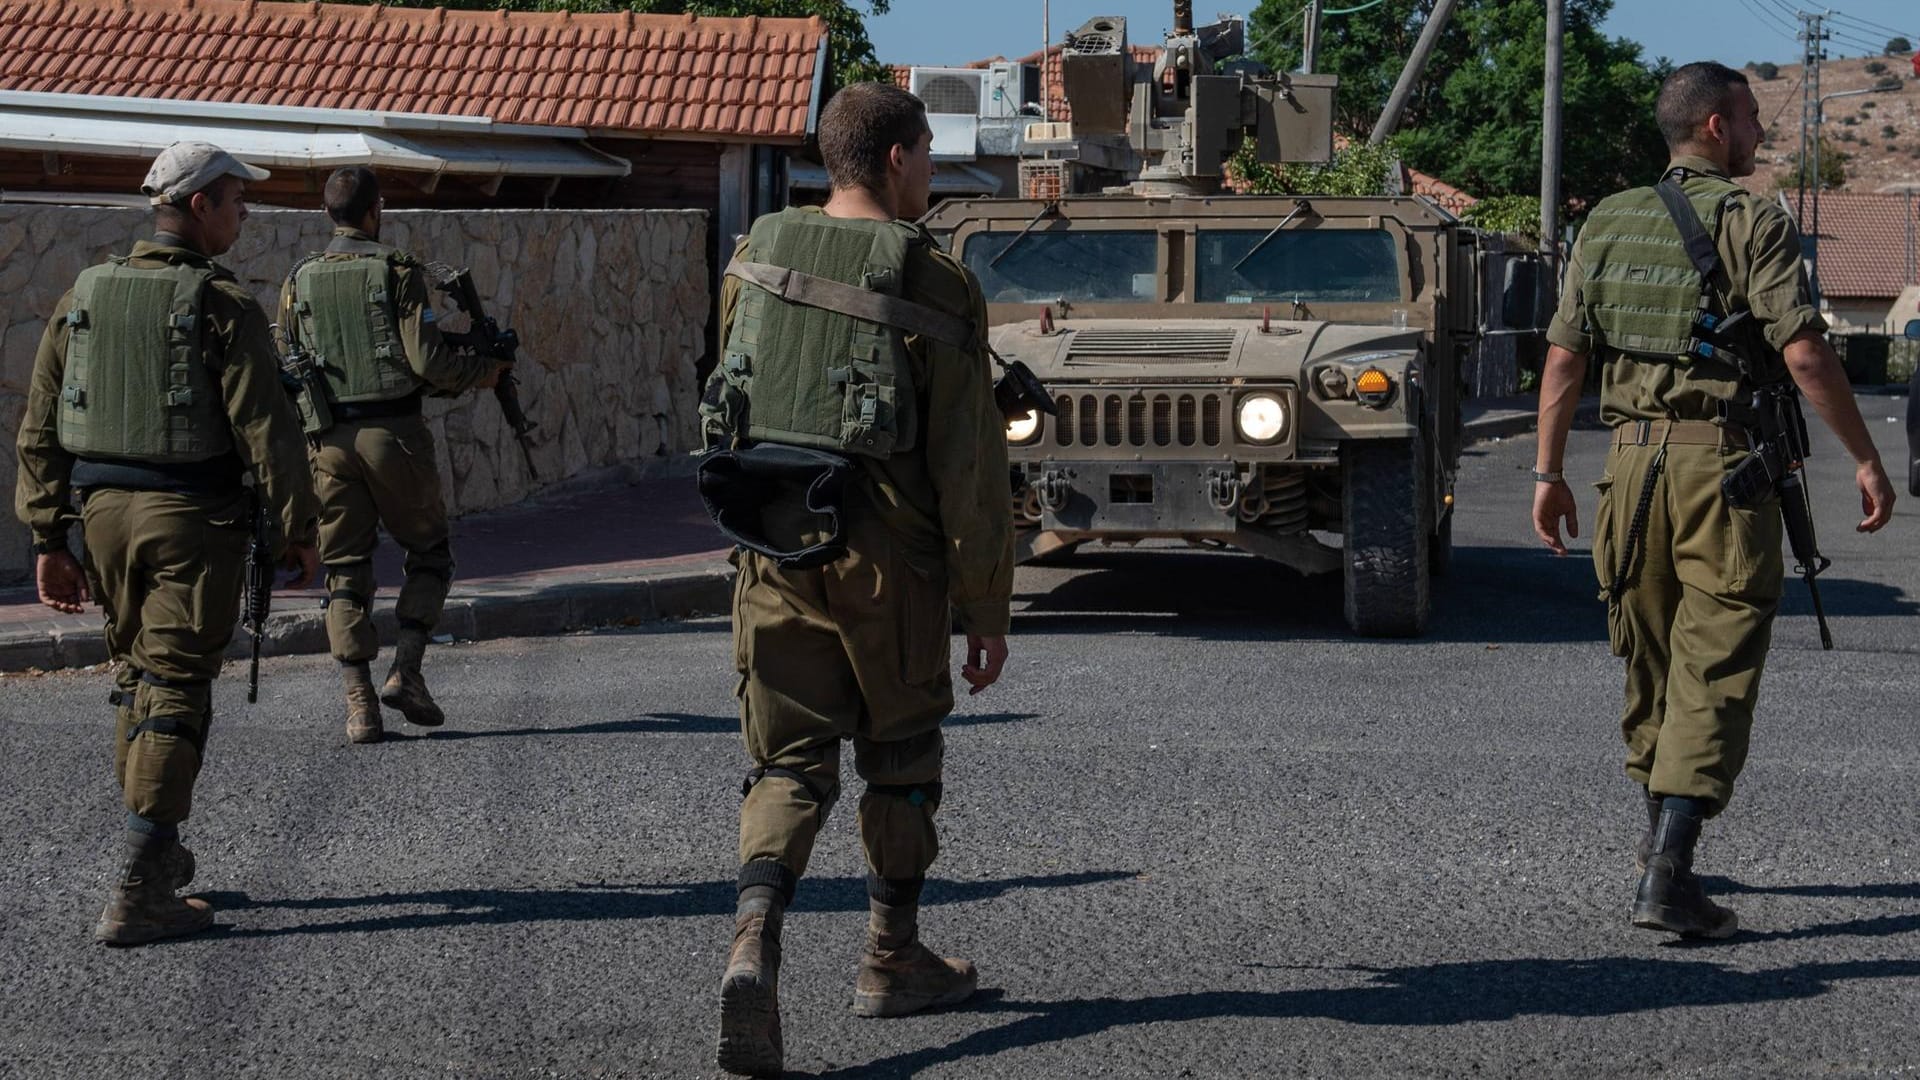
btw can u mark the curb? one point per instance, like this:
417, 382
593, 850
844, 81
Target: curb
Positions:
531, 612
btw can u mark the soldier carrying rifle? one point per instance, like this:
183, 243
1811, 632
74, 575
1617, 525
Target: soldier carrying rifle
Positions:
361, 309
1692, 294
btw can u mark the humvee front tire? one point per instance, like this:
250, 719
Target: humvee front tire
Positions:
1388, 527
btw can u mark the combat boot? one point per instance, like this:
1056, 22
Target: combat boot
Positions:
899, 975
405, 688
1646, 838
142, 907
177, 866
750, 989
1670, 896
363, 707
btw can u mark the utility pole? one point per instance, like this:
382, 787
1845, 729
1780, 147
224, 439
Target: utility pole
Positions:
1409, 75
1046, 47
1812, 34
1310, 47
1550, 135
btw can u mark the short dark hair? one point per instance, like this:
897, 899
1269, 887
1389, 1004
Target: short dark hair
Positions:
1692, 94
861, 126
350, 193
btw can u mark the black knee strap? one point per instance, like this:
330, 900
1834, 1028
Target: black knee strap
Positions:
151, 679
356, 599
172, 725
120, 699
755, 775
918, 794
772, 874
415, 624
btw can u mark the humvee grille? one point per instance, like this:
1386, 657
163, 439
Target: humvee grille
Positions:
1152, 346
1158, 418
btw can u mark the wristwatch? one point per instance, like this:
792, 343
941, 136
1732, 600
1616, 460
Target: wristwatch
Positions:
1548, 477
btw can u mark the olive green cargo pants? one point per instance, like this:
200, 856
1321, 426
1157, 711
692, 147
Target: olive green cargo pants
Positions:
1696, 617
371, 474
857, 650
167, 570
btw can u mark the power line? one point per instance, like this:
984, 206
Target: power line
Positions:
1882, 27
1770, 19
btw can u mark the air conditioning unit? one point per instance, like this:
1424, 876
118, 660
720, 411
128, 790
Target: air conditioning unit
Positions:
950, 91
1009, 86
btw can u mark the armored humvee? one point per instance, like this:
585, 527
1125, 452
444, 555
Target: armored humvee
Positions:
1256, 372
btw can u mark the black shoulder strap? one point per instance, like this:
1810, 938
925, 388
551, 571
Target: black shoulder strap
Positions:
1693, 233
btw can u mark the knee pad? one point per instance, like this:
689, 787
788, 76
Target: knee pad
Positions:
925, 794
824, 798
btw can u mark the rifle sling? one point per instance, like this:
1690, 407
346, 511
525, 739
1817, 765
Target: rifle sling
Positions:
827, 294
1693, 232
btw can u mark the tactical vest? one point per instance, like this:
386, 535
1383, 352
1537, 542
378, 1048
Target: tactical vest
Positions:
348, 319
1642, 293
802, 374
137, 383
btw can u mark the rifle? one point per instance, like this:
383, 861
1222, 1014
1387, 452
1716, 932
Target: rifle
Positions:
1777, 465
485, 337
300, 375
259, 591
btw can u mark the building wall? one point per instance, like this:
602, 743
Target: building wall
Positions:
611, 307
1855, 315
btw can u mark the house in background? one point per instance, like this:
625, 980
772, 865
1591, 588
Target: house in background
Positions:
1866, 247
455, 109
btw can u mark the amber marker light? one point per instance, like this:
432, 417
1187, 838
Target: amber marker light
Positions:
1373, 387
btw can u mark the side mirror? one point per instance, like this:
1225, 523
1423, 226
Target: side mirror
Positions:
1518, 296
1912, 332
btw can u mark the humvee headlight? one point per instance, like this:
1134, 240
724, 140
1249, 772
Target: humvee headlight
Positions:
1373, 387
1024, 428
1262, 418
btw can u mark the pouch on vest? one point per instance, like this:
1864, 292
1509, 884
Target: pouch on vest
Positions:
737, 486
137, 385
808, 376
347, 318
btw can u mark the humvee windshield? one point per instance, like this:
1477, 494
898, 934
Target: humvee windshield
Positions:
1328, 265
1097, 265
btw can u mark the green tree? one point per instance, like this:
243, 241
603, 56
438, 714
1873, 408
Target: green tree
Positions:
850, 55
1833, 169
1766, 69
1357, 170
1899, 46
1474, 120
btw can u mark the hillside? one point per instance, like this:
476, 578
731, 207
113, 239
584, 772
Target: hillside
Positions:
1859, 126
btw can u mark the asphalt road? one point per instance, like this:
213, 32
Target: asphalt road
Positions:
1196, 832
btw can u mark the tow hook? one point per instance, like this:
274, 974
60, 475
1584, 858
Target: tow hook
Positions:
1054, 490
1223, 488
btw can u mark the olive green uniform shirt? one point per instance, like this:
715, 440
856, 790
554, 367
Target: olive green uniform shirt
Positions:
951, 492
447, 372
266, 428
1760, 254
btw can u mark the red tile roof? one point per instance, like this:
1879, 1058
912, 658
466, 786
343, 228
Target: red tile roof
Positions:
1863, 244
624, 74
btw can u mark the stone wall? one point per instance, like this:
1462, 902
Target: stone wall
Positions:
611, 307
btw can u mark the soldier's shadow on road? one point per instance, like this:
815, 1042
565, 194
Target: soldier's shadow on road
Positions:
592, 903
1437, 995
651, 723
1490, 594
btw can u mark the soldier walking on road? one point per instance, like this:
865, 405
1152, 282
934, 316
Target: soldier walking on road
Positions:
156, 388
1692, 295
361, 309
860, 459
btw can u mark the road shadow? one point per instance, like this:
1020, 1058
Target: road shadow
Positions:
1846, 596
1493, 594
1438, 995
1872, 890
979, 719
595, 903
651, 723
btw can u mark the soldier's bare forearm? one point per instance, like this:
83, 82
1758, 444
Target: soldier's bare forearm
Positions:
1817, 372
1561, 377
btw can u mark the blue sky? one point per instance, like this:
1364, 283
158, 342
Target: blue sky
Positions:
942, 32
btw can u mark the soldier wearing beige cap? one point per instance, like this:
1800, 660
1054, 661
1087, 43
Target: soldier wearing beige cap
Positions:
155, 391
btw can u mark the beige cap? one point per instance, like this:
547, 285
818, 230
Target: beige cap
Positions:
187, 167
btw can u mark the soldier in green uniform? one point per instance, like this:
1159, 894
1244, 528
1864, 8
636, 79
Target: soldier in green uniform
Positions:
155, 390
875, 355
1692, 583
361, 309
